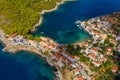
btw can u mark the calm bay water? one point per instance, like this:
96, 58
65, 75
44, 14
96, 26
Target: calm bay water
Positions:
23, 66
60, 26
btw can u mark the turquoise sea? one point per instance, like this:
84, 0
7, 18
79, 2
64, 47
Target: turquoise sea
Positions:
23, 66
60, 26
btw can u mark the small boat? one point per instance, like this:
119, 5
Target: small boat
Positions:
77, 22
78, 25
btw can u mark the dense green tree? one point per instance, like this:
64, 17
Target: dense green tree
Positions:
19, 16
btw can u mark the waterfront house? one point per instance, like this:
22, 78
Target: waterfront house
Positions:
12, 36
77, 71
43, 39
84, 44
32, 43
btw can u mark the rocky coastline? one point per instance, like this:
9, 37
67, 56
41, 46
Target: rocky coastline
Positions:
13, 50
9, 48
45, 11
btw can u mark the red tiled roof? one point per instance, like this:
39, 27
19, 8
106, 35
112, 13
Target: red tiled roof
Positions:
69, 63
80, 78
49, 48
77, 69
96, 62
70, 55
58, 56
84, 44
103, 59
44, 47
109, 49
52, 45
60, 51
13, 35
114, 69
94, 49
92, 55
63, 58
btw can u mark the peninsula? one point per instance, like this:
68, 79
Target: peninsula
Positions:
94, 59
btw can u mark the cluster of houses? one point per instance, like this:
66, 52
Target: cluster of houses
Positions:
65, 59
99, 29
95, 27
19, 40
92, 52
46, 44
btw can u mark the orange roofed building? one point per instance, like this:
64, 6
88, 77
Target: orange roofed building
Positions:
70, 55
80, 78
92, 56
94, 50
58, 56
96, 63
13, 35
114, 69
84, 44
109, 51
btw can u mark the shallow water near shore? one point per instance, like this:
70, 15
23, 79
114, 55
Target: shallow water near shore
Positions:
23, 66
59, 24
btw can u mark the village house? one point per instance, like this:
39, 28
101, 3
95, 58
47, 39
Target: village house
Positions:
57, 56
114, 69
80, 78
109, 51
64, 59
12, 36
96, 63
91, 77
69, 57
32, 43
103, 59
84, 44
95, 50
92, 56
44, 39
76, 71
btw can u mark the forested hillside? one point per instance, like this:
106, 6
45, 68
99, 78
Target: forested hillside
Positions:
19, 16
